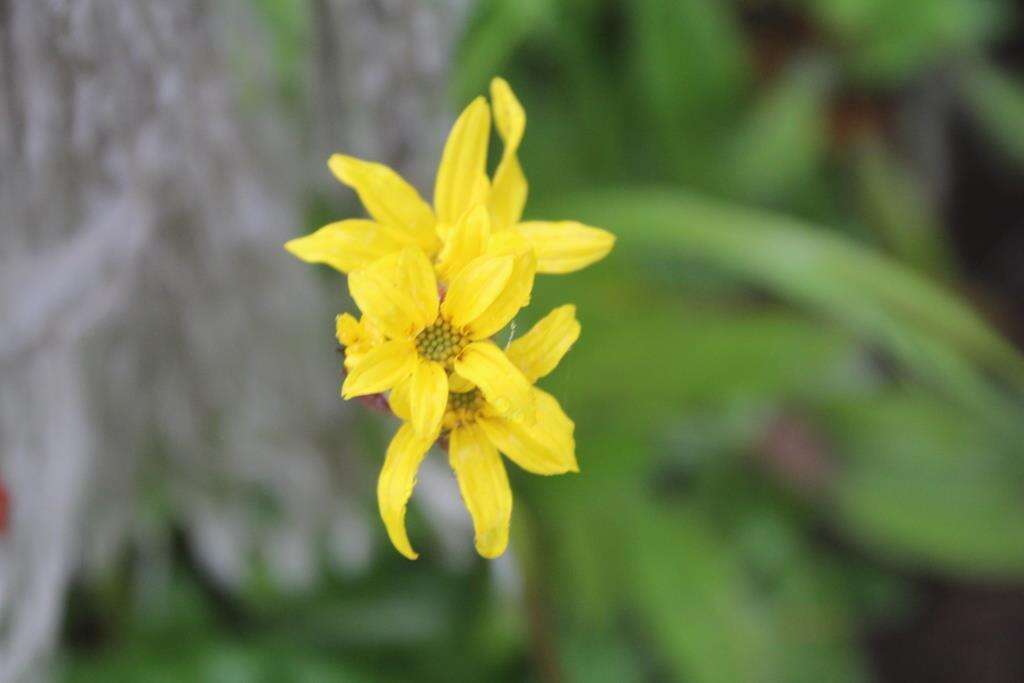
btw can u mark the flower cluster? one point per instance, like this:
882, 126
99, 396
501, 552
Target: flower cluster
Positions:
434, 285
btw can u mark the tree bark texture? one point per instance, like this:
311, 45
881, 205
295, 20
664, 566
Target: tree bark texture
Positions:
163, 363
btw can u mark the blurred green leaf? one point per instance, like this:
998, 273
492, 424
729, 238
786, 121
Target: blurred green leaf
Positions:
496, 28
699, 357
896, 208
599, 658
692, 592
714, 623
690, 67
919, 322
780, 144
689, 59
889, 40
925, 486
998, 102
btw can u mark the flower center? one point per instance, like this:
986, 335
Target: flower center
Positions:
466, 401
440, 342
462, 408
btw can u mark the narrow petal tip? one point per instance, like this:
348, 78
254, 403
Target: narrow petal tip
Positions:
492, 543
294, 247
337, 162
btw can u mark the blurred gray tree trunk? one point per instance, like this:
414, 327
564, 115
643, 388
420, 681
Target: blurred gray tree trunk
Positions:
162, 361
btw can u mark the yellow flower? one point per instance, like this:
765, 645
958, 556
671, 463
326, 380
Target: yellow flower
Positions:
424, 339
433, 284
477, 428
401, 218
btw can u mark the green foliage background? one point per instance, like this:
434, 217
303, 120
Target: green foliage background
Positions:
785, 407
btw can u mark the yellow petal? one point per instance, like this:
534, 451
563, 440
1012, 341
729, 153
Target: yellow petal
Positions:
352, 358
347, 329
506, 390
538, 351
399, 400
463, 162
475, 288
385, 299
444, 231
388, 198
514, 295
417, 275
546, 447
465, 242
479, 195
397, 479
565, 246
381, 368
347, 245
428, 396
481, 190
484, 486
509, 117
357, 336
508, 193
507, 243
458, 384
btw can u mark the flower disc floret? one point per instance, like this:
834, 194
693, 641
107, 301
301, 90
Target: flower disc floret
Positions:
440, 342
463, 408
466, 401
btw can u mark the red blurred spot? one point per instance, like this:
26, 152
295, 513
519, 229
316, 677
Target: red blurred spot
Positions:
854, 116
376, 402
796, 454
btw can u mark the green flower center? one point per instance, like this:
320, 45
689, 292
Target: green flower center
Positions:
463, 408
469, 401
440, 342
